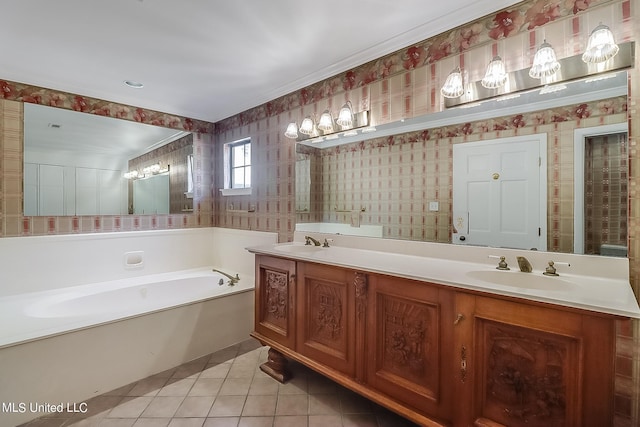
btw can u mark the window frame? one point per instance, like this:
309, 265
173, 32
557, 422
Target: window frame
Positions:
229, 157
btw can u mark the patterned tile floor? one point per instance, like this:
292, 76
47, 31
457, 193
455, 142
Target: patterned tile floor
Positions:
227, 389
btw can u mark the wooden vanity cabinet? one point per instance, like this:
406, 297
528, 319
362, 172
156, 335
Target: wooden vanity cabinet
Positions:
325, 331
527, 365
409, 336
274, 316
438, 355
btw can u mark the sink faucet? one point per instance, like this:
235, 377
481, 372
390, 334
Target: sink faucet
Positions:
309, 239
524, 264
232, 279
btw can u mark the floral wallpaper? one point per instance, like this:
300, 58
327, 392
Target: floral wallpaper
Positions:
521, 18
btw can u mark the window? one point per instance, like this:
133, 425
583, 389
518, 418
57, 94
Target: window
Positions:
239, 163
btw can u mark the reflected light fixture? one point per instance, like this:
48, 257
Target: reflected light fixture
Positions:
325, 123
292, 130
453, 86
307, 126
601, 46
345, 116
496, 75
316, 129
131, 174
545, 63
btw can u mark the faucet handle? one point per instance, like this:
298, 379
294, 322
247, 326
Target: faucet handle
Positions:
326, 243
502, 264
551, 269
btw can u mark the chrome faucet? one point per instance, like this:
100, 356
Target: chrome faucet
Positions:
232, 279
524, 264
309, 239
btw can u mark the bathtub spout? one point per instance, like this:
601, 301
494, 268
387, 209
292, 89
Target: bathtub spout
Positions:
232, 279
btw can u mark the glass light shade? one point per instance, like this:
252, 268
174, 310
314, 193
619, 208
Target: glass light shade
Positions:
345, 117
292, 131
453, 87
496, 75
306, 127
601, 46
325, 123
545, 63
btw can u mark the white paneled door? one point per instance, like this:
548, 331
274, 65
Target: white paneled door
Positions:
499, 192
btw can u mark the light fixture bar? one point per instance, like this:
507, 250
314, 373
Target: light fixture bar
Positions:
572, 68
359, 120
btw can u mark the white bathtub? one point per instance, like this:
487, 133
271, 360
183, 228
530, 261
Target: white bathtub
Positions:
36, 315
69, 344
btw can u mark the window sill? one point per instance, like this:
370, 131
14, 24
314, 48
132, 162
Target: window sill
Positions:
235, 191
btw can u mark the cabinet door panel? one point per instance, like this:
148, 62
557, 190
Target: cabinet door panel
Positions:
406, 332
326, 316
275, 299
534, 366
528, 378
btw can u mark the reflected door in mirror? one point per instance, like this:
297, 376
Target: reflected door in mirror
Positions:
498, 187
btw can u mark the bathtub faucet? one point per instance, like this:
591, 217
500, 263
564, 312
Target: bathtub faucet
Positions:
232, 279
309, 239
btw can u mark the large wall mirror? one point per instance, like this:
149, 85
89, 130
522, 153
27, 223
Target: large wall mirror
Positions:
400, 186
75, 164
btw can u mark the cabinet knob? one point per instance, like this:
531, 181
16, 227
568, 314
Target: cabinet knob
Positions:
458, 318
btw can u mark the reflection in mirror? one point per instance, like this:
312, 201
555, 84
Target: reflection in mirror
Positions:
402, 183
601, 163
74, 163
303, 183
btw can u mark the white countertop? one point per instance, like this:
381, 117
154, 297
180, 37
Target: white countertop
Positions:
607, 292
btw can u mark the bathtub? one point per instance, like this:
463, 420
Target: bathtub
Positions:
70, 344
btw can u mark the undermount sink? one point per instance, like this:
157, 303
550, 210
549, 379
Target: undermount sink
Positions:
519, 279
299, 249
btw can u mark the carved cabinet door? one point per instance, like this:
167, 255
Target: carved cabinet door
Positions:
325, 321
275, 299
533, 366
409, 338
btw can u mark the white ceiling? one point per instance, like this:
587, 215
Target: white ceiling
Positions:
210, 59
63, 131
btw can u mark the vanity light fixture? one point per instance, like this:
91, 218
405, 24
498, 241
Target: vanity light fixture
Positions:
151, 169
131, 174
326, 127
345, 116
601, 46
292, 130
545, 63
496, 75
326, 122
453, 86
308, 126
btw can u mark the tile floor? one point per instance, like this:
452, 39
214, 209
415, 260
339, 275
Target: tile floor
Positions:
227, 389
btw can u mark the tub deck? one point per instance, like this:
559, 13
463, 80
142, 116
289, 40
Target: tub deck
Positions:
36, 315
